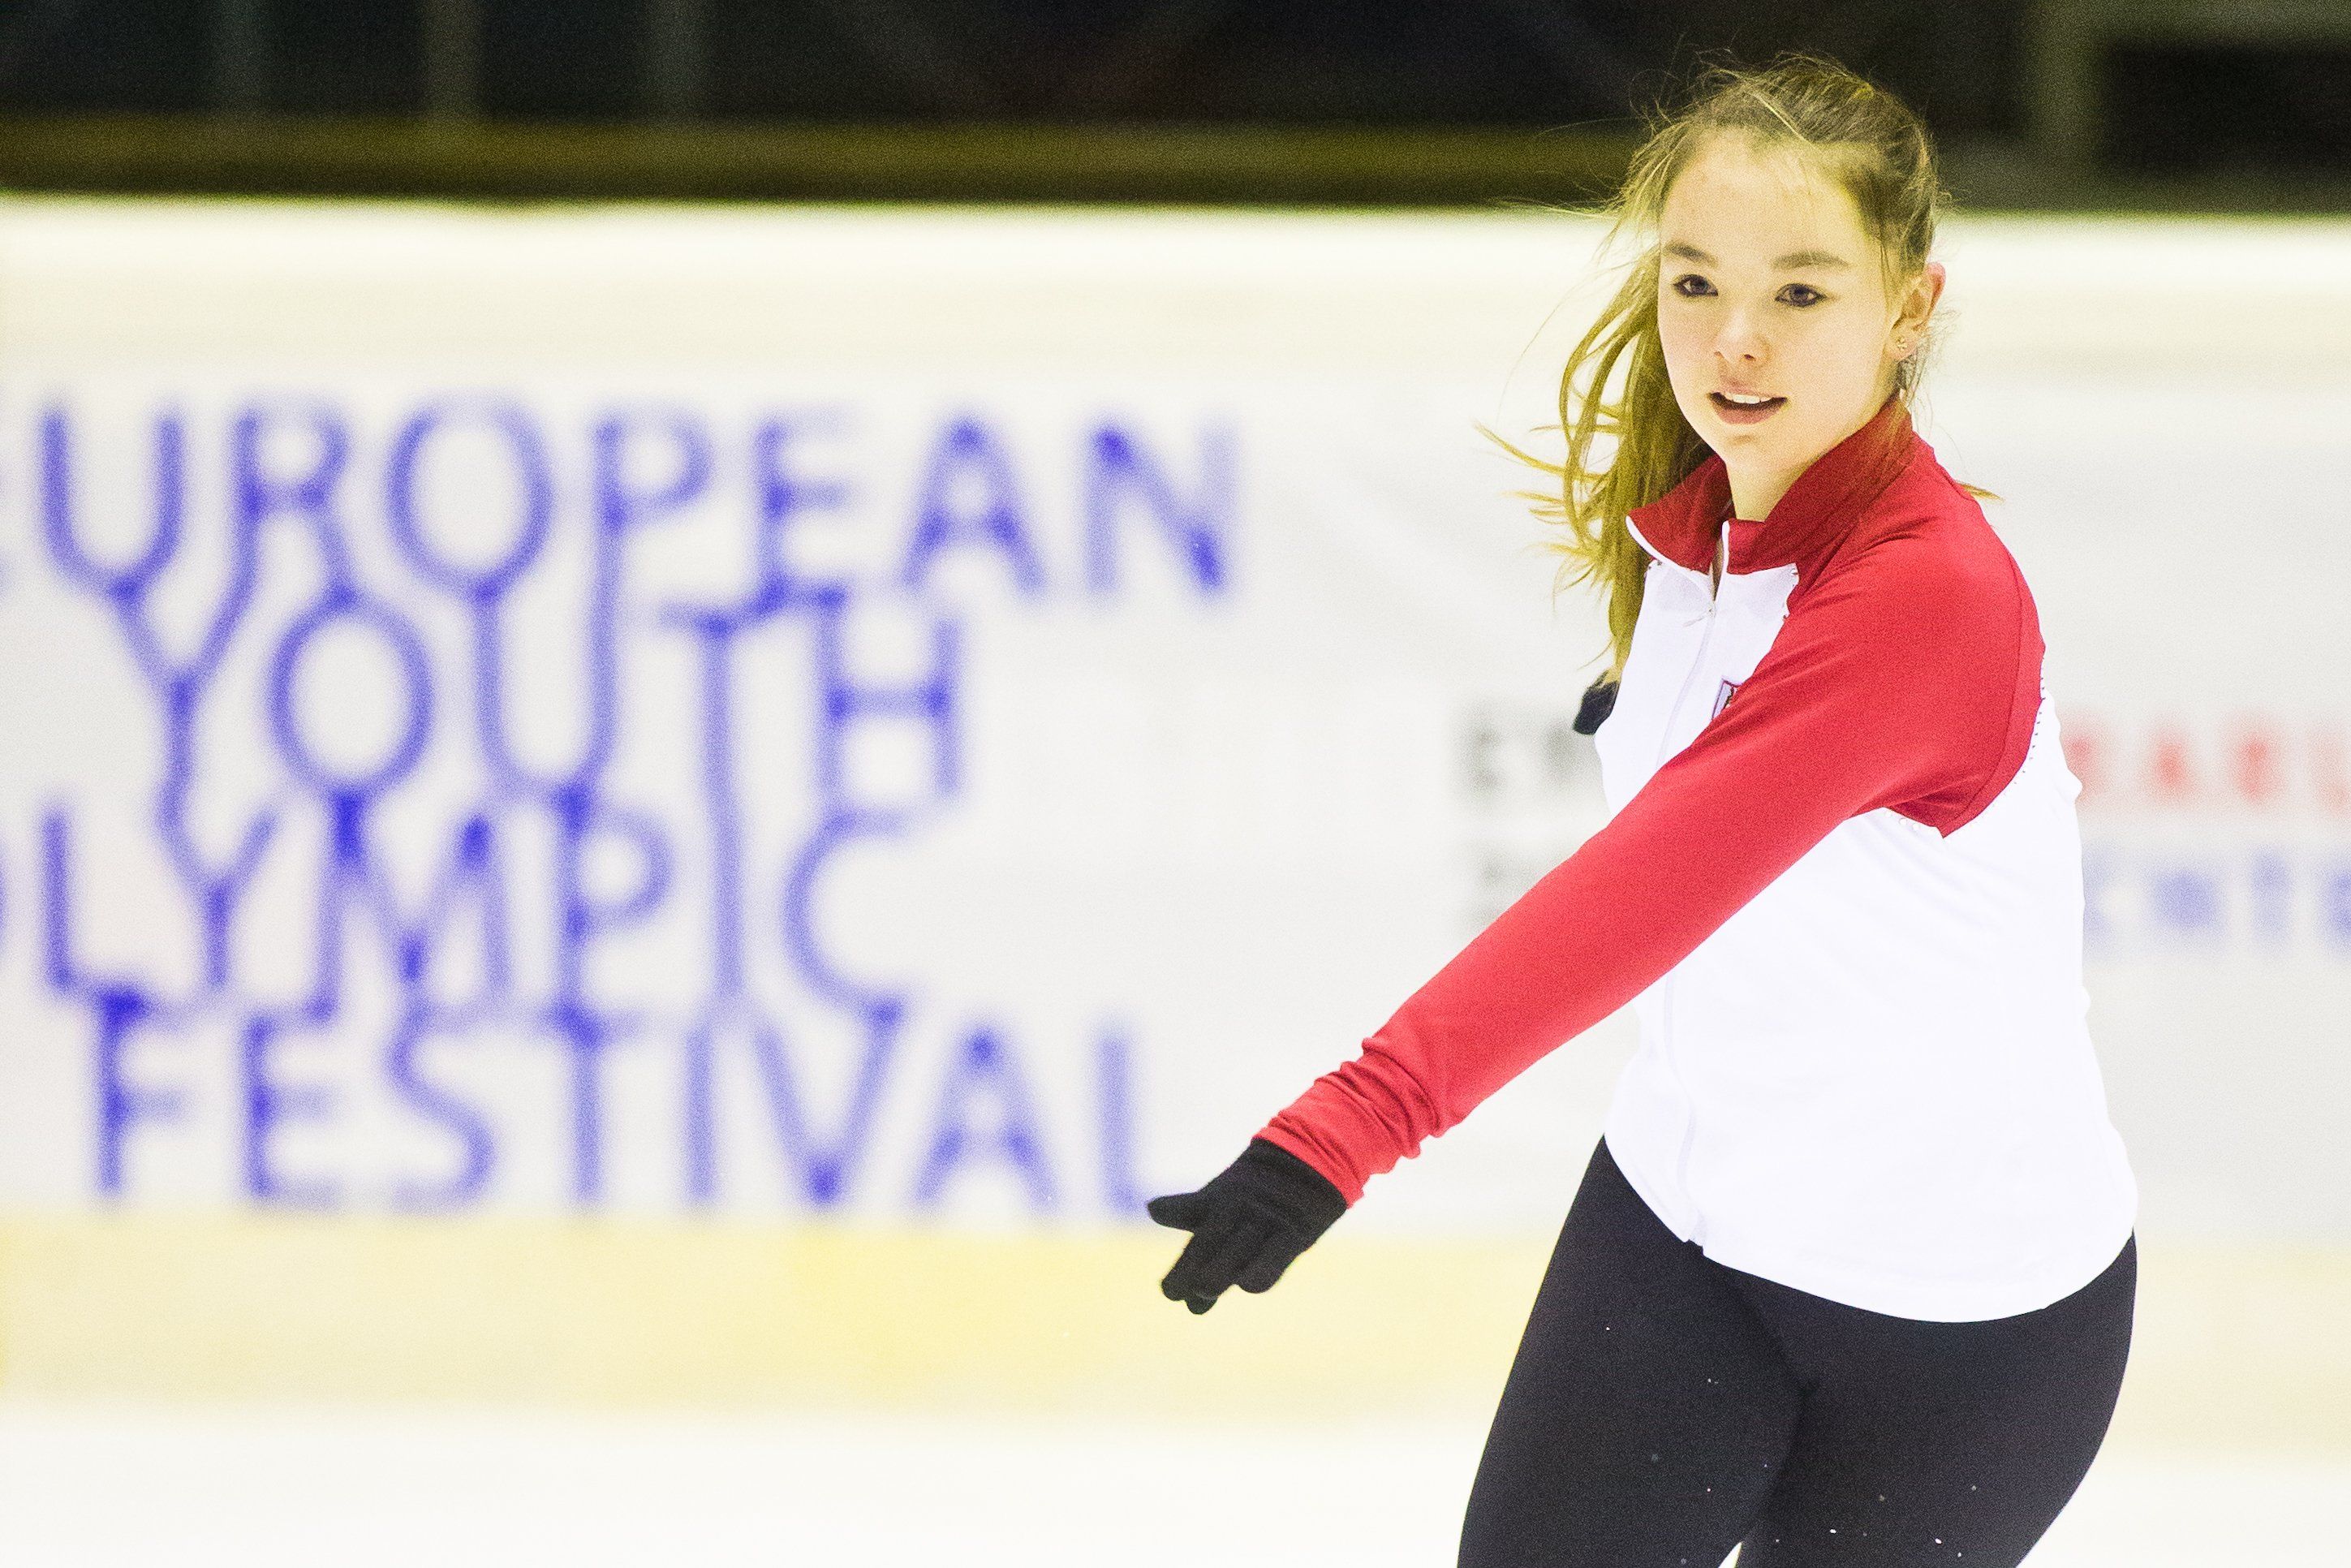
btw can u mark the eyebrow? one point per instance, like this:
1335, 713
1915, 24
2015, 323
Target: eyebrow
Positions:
1793, 260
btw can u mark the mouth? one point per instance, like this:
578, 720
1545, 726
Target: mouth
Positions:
1744, 408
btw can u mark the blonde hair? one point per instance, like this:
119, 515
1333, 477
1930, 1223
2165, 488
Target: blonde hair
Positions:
1614, 381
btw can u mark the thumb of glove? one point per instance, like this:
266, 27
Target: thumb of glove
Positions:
1181, 1210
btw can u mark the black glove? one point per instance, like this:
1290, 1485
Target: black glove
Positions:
1599, 701
1252, 1218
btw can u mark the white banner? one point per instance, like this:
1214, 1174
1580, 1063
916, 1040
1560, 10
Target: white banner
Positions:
953, 719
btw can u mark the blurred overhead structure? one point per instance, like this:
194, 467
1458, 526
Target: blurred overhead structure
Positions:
2072, 43
240, 65
676, 36
436, 156
2175, 104
452, 33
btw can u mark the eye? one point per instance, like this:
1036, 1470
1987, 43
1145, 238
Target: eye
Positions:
1802, 294
1690, 285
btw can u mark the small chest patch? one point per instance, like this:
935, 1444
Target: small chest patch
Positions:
1722, 698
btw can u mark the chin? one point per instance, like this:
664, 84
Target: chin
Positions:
1746, 438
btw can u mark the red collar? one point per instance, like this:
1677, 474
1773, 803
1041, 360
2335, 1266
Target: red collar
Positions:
1810, 520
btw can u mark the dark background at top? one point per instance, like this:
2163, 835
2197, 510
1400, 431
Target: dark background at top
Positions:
2175, 108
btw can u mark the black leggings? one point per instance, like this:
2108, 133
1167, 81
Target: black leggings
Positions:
1665, 1407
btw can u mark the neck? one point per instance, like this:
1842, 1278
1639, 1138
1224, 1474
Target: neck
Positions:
1752, 495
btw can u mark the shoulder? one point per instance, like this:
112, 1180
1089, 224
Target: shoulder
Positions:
1923, 559
1950, 634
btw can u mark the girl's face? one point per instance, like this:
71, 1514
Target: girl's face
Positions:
1780, 335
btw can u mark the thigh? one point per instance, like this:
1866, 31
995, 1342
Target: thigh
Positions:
1934, 1442
1647, 1411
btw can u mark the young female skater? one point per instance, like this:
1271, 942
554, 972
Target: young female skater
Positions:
1849, 1278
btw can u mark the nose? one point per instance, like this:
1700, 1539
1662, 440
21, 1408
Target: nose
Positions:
1741, 343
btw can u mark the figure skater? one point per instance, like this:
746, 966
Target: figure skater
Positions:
1849, 1277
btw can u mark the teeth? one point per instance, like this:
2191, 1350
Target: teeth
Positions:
1744, 398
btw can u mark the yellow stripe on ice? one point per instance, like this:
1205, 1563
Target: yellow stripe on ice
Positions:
2237, 1347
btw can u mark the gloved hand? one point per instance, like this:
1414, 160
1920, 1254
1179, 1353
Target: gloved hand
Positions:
1247, 1224
1599, 701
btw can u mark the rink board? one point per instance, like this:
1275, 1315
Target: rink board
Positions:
1085, 669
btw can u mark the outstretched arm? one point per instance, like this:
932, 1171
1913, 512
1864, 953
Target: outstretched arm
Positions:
1910, 680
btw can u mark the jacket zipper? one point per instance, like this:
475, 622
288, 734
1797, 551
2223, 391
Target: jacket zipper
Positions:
1666, 1000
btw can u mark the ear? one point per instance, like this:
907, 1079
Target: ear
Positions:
1917, 304
1924, 295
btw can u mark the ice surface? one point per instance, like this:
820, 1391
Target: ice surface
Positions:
84, 1488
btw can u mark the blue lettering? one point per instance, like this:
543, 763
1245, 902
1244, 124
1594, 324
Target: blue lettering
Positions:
623, 504
1123, 1194
965, 456
2187, 901
268, 1103
537, 486
931, 701
351, 875
478, 1150
2334, 905
823, 1168
586, 1035
2271, 882
310, 495
121, 1104
345, 604
1117, 469
784, 498
128, 584
581, 819
287, 464
985, 1064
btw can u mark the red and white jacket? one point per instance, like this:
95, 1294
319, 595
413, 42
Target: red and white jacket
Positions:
1841, 886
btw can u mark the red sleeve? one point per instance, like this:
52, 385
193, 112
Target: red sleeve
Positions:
1908, 679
